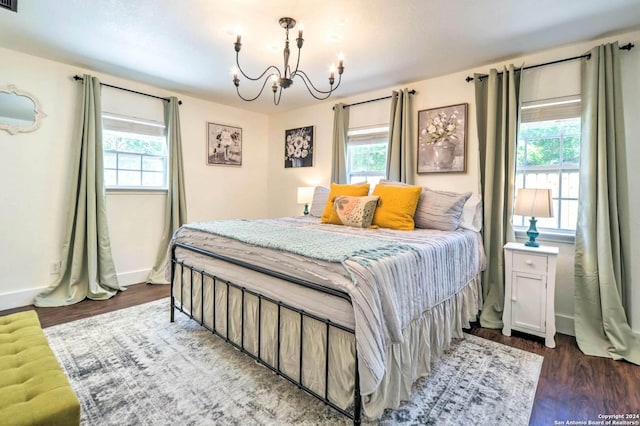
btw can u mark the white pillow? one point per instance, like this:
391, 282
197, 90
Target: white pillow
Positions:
320, 198
471, 217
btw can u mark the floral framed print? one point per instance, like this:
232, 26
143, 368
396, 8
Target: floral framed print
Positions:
298, 147
224, 144
442, 139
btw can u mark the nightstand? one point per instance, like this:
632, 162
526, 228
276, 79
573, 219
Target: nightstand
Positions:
529, 290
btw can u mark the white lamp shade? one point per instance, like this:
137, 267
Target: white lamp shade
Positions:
534, 202
305, 194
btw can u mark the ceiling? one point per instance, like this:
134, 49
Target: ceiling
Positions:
187, 45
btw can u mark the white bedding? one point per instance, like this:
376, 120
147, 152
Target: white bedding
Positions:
390, 293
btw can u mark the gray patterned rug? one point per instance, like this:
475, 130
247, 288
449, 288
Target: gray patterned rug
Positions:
134, 367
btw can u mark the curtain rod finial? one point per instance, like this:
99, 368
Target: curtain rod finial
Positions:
468, 79
627, 46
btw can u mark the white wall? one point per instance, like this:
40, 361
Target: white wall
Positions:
34, 171
453, 89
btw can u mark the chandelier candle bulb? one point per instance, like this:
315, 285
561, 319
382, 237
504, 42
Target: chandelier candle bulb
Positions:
236, 81
237, 45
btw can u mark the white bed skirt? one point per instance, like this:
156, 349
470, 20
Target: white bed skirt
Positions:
426, 338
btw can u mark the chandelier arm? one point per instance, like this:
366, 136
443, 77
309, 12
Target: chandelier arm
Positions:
277, 70
307, 82
310, 90
257, 96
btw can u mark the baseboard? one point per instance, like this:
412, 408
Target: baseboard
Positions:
133, 277
564, 325
19, 298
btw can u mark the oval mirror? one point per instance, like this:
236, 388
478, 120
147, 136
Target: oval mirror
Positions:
19, 111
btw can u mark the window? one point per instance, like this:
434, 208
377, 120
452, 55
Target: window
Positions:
135, 153
367, 154
548, 156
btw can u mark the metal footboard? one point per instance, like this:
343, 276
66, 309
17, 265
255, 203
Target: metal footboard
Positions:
216, 281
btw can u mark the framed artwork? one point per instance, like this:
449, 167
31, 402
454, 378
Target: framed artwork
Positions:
298, 147
224, 144
442, 139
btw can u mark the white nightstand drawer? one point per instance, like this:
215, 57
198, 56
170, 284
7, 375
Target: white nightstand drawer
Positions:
531, 263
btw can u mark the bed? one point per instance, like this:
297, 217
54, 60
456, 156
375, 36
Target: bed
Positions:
353, 316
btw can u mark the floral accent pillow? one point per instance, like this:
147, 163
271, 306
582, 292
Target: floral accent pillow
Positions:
355, 211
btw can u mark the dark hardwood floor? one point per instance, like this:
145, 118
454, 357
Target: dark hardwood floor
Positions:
134, 295
573, 387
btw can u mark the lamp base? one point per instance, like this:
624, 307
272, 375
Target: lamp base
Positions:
306, 209
532, 233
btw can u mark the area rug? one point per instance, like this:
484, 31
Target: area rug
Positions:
134, 367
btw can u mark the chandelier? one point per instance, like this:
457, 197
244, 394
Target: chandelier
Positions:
284, 79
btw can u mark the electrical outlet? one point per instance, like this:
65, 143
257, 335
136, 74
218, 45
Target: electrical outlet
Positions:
54, 268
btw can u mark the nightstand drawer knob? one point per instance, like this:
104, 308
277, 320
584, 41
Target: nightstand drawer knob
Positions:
513, 299
529, 262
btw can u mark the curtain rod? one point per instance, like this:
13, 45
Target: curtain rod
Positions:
411, 92
77, 77
627, 46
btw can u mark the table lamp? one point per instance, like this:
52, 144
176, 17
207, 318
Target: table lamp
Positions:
305, 196
534, 203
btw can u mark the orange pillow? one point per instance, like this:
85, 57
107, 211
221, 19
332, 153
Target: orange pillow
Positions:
329, 214
396, 206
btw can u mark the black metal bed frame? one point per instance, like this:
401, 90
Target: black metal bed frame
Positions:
357, 398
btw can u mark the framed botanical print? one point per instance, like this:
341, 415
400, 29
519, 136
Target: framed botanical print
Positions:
224, 144
442, 139
298, 147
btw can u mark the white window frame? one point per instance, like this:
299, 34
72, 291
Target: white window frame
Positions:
370, 135
120, 124
547, 110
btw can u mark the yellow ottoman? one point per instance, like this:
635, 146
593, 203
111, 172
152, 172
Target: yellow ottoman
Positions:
33, 388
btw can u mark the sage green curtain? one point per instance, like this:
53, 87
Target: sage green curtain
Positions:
497, 113
603, 229
400, 159
86, 268
340, 129
175, 211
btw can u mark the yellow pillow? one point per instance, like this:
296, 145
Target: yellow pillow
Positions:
396, 206
329, 215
